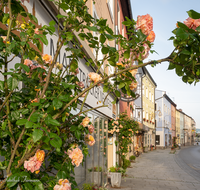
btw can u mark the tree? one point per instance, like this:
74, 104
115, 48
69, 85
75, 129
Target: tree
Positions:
37, 95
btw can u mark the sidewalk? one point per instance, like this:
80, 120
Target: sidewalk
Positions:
157, 170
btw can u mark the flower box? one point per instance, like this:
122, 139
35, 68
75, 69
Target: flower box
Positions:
116, 179
97, 178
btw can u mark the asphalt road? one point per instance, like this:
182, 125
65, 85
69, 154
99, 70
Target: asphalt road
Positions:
188, 158
163, 170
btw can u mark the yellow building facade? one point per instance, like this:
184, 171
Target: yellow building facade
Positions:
178, 127
148, 101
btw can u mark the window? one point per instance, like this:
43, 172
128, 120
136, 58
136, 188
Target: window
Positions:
150, 95
143, 89
147, 116
157, 139
96, 34
122, 30
118, 17
146, 92
110, 8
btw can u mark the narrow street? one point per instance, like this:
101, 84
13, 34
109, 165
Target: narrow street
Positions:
160, 170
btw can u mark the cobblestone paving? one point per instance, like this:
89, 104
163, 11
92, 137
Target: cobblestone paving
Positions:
158, 170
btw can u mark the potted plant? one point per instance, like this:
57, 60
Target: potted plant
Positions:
97, 174
116, 173
144, 119
147, 120
132, 158
145, 149
152, 146
150, 121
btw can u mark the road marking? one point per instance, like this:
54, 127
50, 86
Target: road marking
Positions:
194, 166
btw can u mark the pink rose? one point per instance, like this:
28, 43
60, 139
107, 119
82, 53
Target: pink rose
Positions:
91, 128
76, 72
151, 36
145, 23
89, 139
33, 164
80, 84
36, 31
28, 62
192, 23
85, 121
145, 52
76, 156
94, 77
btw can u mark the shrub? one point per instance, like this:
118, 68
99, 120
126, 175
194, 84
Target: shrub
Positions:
95, 169
132, 158
88, 186
126, 164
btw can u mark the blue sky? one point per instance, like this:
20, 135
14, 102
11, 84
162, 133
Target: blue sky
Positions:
165, 14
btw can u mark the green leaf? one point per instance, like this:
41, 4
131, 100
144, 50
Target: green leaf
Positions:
52, 23
13, 180
27, 186
25, 67
42, 38
73, 128
57, 104
185, 79
92, 28
193, 14
105, 88
2, 85
78, 134
121, 85
56, 142
117, 93
102, 38
38, 185
37, 135
29, 124
4, 125
105, 50
69, 36
35, 117
186, 52
182, 33
179, 69
171, 66
127, 54
21, 122
109, 37
12, 83
54, 122
61, 175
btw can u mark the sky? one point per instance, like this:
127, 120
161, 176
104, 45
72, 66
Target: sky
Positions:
165, 15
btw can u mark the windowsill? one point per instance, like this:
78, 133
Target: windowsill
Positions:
110, 12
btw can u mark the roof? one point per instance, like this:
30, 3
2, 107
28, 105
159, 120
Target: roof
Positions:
126, 8
168, 98
146, 72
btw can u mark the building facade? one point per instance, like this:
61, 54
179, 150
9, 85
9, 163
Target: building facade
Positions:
148, 101
163, 119
178, 126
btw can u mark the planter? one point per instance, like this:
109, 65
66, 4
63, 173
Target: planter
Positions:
151, 148
145, 149
116, 179
96, 176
